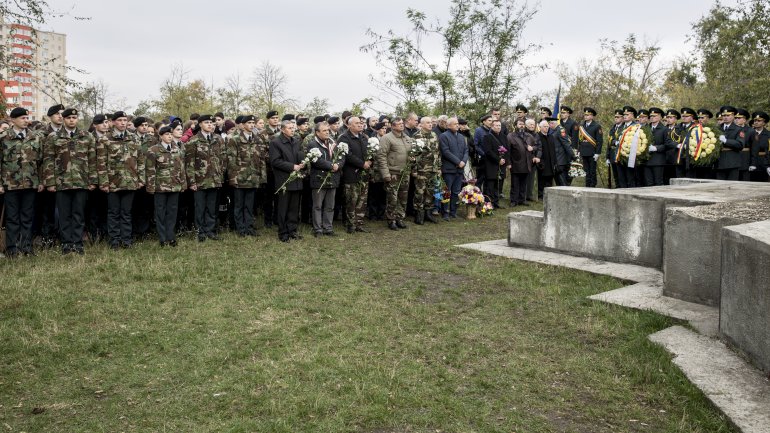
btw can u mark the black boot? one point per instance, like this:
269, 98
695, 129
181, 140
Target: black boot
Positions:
430, 217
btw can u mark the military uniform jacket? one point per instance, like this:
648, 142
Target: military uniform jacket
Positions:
730, 157
205, 161
323, 165
429, 161
147, 141
70, 161
21, 160
746, 151
571, 129
594, 132
120, 162
284, 153
354, 160
759, 149
659, 139
166, 169
612, 137
244, 161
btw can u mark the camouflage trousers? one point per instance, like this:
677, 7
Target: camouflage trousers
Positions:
355, 203
395, 209
424, 186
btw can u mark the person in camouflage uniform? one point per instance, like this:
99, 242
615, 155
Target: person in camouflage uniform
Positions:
21, 161
166, 179
143, 202
45, 202
205, 160
392, 160
356, 174
426, 171
69, 170
96, 204
245, 174
120, 164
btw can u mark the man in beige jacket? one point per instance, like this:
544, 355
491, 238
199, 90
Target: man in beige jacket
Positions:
393, 163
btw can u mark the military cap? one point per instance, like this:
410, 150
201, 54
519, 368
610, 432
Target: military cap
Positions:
194, 116
139, 120
165, 130
18, 112
687, 111
742, 113
461, 121
566, 108
643, 112
301, 121
551, 119
705, 112
287, 117
727, 109
99, 119
485, 117
656, 110
55, 109
205, 117
619, 111
319, 119
238, 119
333, 119
117, 115
589, 110
248, 118
521, 109
629, 110
672, 112
69, 112
546, 110
271, 113
378, 126
219, 114
760, 115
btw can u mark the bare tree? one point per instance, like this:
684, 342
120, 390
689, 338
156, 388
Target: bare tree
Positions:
268, 86
233, 97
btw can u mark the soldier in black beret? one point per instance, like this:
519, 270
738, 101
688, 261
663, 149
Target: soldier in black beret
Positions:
334, 127
760, 149
318, 119
612, 144
45, 202
287, 117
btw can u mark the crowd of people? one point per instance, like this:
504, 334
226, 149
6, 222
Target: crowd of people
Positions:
122, 177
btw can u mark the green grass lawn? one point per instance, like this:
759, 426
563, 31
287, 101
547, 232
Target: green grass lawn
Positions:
381, 332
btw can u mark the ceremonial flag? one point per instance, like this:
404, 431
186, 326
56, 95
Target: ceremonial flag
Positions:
556, 105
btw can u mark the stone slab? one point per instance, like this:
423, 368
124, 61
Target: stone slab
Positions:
737, 389
525, 228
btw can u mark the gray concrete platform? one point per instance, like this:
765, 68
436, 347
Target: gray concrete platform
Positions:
737, 389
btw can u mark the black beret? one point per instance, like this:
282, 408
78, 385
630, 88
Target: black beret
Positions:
672, 112
521, 109
99, 119
589, 110
461, 121
55, 109
333, 119
138, 121
742, 113
319, 119
566, 108
69, 112
248, 118
629, 110
165, 130
727, 109
656, 110
238, 119
205, 117
687, 111
287, 117
484, 118
705, 112
546, 110
117, 115
760, 115
378, 126
619, 112
219, 114
301, 121
18, 112
271, 113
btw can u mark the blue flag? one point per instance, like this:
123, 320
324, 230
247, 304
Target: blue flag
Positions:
556, 110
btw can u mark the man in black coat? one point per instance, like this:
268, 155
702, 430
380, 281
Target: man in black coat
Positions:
285, 157
590, 141
659, 145
356, 175
732, 138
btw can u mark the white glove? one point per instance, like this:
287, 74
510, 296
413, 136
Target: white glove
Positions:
679, 146
653, 149
768, 171
596, 157
608, 163
723, 139
752, 168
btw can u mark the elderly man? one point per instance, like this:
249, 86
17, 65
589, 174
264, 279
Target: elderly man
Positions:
427, 167
454, 157
285, 157
392, 161
325, 177
356, 175
410, 124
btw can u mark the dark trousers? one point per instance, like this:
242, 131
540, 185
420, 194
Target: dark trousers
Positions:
519, 190
96, 214
72, 208
561, 177
454, 181
306, 202
166, 207
243, 209
119, 217
185, 217
681, 171
531, 182
481, 179
614, 169
19, 217
626, 176
491, 185
589, 165
376, 201
729, 174
141, 212
543, 182
653, 176
669, 172
759, 175
225, 206
45, 212
288, 212
268, 198
206, 211
744, 175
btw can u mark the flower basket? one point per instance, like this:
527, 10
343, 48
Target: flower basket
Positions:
470, 211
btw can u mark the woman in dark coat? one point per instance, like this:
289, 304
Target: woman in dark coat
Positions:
495, 159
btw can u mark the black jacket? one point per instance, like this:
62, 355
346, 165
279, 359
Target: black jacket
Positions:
354, 161
492, 143
660, 139
594, 130
284, 153
730, 157
320, 168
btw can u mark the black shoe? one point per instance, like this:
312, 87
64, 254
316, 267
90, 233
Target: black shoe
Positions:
419, 219
392, 225
362, 230
127, 245
284, 238
268, 225
431, 218
114, 246
214, 237
29, 253
400, 224
162, 244
172, 243
79, 251
351, 229
65, 249
295, 235
317, 234
330, 234
201, 238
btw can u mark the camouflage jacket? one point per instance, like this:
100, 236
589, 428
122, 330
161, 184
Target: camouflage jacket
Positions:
21, 160
147, 141
165, 170
429, 160
70, 162
244, 161
120, 161
205, 161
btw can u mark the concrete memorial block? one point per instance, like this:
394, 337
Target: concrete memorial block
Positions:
525, 228
692, 253
744, 315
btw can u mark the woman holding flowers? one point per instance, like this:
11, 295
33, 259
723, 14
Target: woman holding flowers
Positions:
325, 173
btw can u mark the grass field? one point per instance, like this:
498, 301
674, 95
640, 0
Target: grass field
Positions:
381, 332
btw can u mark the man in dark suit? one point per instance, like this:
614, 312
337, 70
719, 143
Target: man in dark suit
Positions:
590, 140
659, 145
732, 138
454, 156
286, 157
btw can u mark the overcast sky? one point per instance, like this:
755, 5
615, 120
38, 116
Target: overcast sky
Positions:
317, 43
